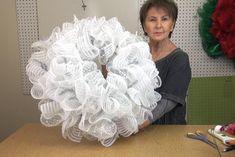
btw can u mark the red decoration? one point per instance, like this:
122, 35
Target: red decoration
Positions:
229, 129
223, 27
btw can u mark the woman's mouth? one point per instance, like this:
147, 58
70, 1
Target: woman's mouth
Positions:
157, 33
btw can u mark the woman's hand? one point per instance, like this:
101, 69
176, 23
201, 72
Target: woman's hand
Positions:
144, 124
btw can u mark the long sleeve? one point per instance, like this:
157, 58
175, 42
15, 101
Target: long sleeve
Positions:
164, 106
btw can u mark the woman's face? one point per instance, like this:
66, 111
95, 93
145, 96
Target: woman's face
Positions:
158, 24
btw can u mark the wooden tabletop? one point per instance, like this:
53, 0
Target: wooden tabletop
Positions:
35, 140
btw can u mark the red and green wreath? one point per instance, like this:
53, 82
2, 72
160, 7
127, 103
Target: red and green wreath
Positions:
217, 28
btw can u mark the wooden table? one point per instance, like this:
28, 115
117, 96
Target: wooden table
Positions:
35, 140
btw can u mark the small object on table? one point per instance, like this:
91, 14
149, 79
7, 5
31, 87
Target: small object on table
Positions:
224, 138
202, 137
227, 129
229, 148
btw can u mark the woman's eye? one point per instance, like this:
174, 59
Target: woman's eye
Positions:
152, 20
164, 19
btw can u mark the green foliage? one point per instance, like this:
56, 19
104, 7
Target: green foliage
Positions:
210, 45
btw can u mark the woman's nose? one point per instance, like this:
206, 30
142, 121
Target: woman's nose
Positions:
158, 24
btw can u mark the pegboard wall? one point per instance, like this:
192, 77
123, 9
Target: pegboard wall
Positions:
185, 36
28, 32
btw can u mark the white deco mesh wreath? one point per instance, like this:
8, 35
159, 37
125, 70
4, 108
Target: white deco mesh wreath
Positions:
72, 90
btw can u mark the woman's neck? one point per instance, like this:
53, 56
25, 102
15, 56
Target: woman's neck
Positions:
161, 49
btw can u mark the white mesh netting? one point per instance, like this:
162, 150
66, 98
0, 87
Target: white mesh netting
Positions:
72, 90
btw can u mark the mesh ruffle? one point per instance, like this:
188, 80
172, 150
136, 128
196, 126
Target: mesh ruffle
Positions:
73, 91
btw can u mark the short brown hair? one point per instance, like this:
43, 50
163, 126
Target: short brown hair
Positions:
169, 5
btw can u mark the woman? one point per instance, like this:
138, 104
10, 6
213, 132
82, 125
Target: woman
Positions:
158, 18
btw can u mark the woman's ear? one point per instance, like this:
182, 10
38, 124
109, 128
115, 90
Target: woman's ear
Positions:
173, 26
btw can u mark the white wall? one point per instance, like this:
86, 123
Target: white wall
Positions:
15, 108
125, 10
